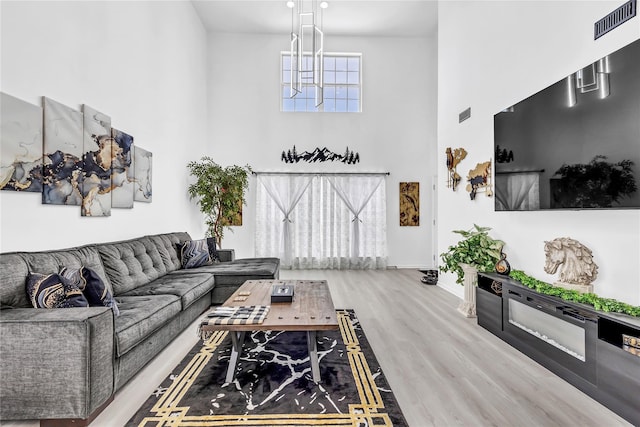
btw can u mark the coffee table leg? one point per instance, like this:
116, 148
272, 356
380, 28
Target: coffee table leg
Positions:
313, 355
237, 338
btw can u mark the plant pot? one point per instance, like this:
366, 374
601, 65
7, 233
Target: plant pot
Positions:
468, 306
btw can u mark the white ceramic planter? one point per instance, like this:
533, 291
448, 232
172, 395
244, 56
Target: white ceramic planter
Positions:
468, 305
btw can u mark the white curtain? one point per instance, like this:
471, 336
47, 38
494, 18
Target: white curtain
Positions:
519, 191
333, 221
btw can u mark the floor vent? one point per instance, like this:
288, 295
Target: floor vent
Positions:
615, 18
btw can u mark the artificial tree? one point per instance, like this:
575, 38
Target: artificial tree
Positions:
219, 191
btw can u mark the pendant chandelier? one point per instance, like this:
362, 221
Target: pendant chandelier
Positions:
307, 47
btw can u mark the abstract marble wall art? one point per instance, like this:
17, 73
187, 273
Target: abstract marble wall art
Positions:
122, 173
97, 159
409, 204
21, 145
63, 149
143, 167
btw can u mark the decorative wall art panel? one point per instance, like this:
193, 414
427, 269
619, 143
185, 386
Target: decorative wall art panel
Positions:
320, 155
236, 220
21, 142
454, 157
479, 180
409, 204
97, 158
63, 149
143, 162
122, 171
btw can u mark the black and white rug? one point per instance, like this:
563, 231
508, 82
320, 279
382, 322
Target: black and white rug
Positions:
273, 384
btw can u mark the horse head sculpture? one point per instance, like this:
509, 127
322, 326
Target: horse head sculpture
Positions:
572, 258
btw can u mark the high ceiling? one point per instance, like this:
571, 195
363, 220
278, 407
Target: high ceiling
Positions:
388, 18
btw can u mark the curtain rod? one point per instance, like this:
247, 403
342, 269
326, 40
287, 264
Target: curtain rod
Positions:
319, 173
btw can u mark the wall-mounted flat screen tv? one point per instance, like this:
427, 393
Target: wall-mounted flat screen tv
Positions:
575, 144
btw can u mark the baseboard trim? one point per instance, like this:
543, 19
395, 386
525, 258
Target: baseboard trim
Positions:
76, 422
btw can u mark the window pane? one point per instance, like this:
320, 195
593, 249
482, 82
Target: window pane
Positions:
353, 92
286, 62
352, 78
329, 77
288, 104
341, 106
329, 92
329, 105
341, 77
341, 92
300, 104
329, 63
353, 106
353, 63
286, 76
341, 64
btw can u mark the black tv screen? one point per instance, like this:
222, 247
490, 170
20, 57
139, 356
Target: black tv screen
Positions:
576, 143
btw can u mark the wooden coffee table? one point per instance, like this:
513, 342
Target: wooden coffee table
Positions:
312, 310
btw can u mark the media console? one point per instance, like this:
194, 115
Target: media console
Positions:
581, 345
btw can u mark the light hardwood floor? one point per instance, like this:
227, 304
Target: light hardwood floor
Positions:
444, 369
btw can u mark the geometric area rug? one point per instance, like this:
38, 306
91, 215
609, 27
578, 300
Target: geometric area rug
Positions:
273, 384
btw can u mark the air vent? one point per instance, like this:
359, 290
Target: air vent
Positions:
464, 115
615, 18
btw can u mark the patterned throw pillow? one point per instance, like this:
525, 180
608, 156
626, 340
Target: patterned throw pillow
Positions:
92, 286
196, 253
53, 291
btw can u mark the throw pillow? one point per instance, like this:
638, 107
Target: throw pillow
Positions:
53, 291
196, 253
92, 286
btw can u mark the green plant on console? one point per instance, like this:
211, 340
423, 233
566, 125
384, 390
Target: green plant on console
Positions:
476, 248
603, 304
219, 192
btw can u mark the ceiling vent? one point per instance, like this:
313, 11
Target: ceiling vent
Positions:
615, 18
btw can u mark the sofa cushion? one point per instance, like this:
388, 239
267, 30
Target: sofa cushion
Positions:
14, 272
236, 272
132, 263
92, 286
140, 316
53, 291
186, 284
166, 244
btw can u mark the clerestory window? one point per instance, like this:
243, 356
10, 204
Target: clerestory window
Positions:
342, 85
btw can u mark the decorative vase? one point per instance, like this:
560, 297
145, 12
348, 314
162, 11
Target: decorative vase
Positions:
502, 266
468, 306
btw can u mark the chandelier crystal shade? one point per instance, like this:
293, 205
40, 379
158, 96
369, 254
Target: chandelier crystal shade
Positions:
307, 47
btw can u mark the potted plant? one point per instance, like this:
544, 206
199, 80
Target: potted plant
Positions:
477, 251
219, 192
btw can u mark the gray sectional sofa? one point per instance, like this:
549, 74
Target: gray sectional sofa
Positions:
67, 363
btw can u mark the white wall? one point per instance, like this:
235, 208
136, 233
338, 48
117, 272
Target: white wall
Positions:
395, 132
492, 55
143, 64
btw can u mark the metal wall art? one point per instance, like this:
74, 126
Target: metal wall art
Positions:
409, 204
479, 180
80, 161
320, 155
453, 158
